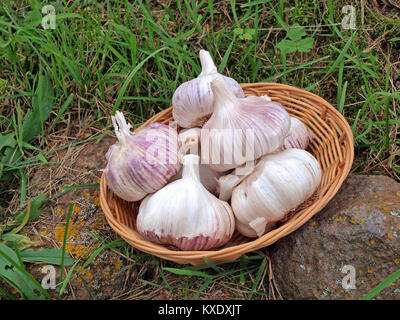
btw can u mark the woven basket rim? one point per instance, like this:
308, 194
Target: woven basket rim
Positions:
267, 239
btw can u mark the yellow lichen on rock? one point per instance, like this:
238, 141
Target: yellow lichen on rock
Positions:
59, 232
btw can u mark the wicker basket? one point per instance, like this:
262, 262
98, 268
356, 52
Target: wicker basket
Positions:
332, 146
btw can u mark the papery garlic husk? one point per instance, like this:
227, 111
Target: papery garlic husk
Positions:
226, 183
266, 97
299, 136
141, 162
189, 142
241, 129
185, 214
279, 183
193, 100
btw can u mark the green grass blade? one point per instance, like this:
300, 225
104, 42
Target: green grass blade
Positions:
64, 282
206, 283
342, 98
129, 78
114, 244
62, 110
185, 272
22, 198
299, 67
83, 186
212, 265
163, 277
335, 64
14, 273
258, 277
46, 255
384, 284
225, 58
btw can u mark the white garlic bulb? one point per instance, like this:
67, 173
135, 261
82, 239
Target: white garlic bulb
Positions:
141, 162
280, 183
193, 100
241, 129
185, 214
299, 136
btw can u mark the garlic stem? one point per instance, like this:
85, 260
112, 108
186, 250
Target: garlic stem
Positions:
122, 128
207, 63
193, 101
224, 98
191, 167
189, 139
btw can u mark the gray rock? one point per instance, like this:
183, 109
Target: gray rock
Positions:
357, 233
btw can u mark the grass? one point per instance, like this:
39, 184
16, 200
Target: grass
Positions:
58, 88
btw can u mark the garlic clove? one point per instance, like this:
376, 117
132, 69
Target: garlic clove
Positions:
193, 100
189, 142
299, 136
241, 130
141, 162
226, 183
185, 214
279, 184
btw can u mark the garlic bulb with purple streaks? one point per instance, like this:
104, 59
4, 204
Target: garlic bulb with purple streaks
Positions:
185, 214
193, 100
141, 162
241, 129
279, 183
299, 136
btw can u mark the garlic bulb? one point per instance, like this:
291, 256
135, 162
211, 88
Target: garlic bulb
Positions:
279, 183
193, 100
141, 162
299, 136
241, 129
185, 214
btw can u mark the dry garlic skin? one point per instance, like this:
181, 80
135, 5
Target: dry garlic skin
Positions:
185, 214
241, 129
141, 162
299, 136
280, 183
193, 100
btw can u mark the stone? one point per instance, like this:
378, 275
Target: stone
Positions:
348, 248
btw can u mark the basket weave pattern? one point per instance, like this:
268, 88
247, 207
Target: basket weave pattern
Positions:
332, 146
